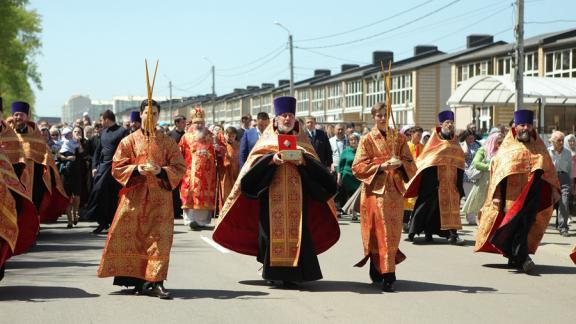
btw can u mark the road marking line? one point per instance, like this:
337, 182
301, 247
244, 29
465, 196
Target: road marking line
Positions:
215, 245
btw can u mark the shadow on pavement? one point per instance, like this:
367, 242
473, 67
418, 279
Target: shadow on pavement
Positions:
45, 264
538, 270
322, 286
40, 294
214, 294
419, 286
40, 247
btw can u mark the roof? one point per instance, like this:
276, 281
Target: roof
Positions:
500, 90
529, 43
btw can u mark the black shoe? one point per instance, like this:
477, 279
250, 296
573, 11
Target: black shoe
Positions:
456, 240
156, 289
99, 229
69, 226
512, 263
289, 284
528, 265
195, 227
428, 238
388, 286
411, 237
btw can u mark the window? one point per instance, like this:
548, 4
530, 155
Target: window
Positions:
255, 105
375, 91
401, 92
503, 66
318, 96
353, 94
531, 64
561, 64
302, 101
334, 97
266, 105
469, 70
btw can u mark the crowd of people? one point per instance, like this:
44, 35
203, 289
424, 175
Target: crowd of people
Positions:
278, 186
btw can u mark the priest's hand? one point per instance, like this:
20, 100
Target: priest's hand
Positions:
389, 166
277, 159
144, 170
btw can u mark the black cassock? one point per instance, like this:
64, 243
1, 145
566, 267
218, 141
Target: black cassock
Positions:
318, 184
426, 215
103, 199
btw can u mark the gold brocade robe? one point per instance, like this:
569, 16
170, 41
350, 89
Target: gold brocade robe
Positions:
415, 150
381, 205
8, 214
517, 162
35, 150
230, 170
198, 188
140, 238
238, 226
18, 227
10, 144
448, 157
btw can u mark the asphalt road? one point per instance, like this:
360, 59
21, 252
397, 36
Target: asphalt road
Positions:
56, 283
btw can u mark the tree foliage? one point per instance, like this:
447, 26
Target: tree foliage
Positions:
19, 45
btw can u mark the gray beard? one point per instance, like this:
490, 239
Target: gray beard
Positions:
523, 137
283, 129
447, 134
199, 134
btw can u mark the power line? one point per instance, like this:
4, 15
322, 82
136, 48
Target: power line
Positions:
254, 68
550, 21
194, 85
462, 16
254, 61
331, 56
495, 13
202, 76
386, 31
368, 25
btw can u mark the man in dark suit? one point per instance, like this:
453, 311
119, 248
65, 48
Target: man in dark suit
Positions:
103, 199
176, 134
319, 140
252, 135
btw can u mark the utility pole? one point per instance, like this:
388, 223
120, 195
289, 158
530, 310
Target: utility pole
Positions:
519, 55
213, 95
291, 47
291, 64
213, 71
170, 86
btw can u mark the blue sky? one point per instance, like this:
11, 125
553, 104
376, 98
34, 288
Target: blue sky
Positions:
97, 48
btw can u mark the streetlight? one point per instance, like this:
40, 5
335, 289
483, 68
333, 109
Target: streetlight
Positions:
290, 43
212, 69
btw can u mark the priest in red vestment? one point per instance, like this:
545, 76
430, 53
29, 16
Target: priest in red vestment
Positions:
281, 208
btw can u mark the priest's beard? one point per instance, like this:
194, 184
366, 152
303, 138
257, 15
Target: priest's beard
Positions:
447, 133
523, 136
199, 133
284, 129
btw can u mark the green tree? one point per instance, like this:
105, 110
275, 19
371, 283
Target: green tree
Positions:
19, 45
